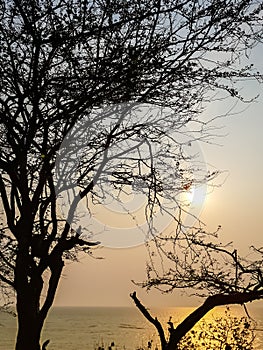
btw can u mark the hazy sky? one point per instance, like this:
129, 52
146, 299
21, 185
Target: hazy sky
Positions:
236, 206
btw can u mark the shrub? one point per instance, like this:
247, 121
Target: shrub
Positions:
223, 333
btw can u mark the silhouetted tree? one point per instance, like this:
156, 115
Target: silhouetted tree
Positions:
206, 268
225, 332
59, 60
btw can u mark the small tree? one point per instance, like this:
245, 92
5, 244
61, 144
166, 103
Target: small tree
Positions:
223, 333
60, 60
209, 270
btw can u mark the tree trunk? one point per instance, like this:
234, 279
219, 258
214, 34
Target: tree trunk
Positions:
29, 321
28, 335
30, 317
28, 285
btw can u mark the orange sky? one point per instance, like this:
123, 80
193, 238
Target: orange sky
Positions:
236, 206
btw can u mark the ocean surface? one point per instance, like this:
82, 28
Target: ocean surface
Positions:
87, 328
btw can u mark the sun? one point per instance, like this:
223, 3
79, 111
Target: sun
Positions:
188, 192
189, 195
194, 196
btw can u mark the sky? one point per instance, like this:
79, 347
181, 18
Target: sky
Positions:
236, 205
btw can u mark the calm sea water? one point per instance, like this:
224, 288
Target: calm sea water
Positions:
71, 328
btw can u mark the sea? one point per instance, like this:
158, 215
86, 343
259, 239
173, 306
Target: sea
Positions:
91, 328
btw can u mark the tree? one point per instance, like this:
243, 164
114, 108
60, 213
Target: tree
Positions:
209, 270
221, 333
228, 332
60, 60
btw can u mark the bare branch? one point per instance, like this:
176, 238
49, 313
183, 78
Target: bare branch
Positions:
152, 320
